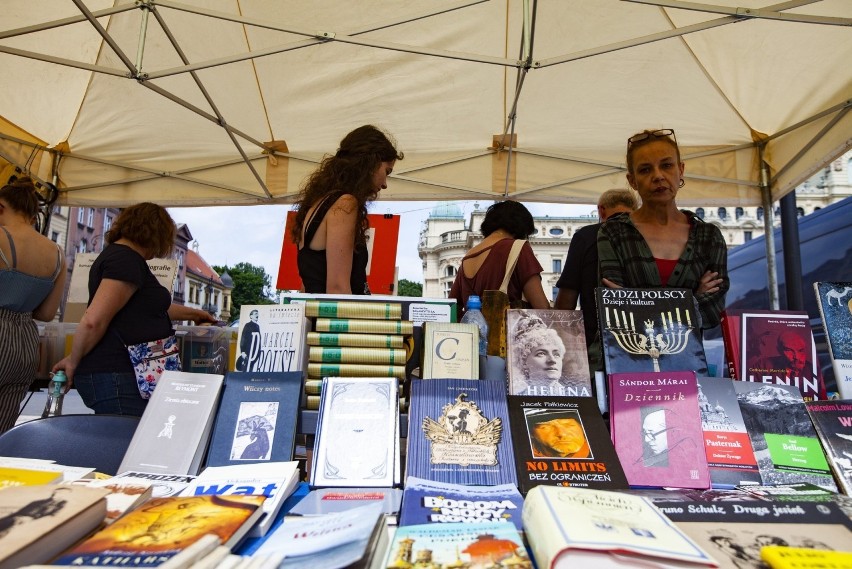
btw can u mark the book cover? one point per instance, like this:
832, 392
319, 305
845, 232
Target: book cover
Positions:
161, 528
834, 300
647, 330
656, 429
356, 340
428, 502
562, 441
833, 423
256, 420
726, 442
546, 353
784, 557
353, 355
358, 326
783, 438
322, 501
272, 338
730, 325
357, 430
164, 485
778, 347
124, 495
39, 522
450, 350
322, 370
792, 492
734, 533
353, 309
274, 480
577, 527
174, 430
459, 432
10, 476
477, 546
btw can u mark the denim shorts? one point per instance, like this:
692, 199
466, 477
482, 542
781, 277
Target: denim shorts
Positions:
110, 393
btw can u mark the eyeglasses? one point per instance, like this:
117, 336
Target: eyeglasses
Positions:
645, 135
652, 435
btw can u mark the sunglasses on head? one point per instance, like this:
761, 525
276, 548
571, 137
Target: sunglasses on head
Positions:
645, 135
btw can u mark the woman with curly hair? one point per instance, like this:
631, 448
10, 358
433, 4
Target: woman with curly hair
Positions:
331, 217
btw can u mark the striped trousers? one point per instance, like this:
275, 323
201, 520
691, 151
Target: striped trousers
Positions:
18, 362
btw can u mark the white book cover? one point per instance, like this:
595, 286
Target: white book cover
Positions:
275, 480
356, 433
272, 338
174, 430
164, 485
124, 494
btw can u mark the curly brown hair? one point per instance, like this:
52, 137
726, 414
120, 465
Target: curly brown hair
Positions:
146, 224
21, 195
350, 170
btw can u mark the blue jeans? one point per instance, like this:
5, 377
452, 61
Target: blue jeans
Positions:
110, 393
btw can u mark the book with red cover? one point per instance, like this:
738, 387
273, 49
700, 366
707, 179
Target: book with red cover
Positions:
730, 324
656, 429
777, 346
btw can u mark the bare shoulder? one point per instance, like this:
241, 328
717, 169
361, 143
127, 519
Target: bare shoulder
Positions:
345, 204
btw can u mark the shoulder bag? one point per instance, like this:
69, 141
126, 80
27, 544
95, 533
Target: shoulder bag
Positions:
495, 303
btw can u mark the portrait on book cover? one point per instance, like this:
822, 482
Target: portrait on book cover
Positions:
254, 432
250, 342
556, 434
664, 441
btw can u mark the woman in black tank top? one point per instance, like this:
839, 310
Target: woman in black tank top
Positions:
331, 213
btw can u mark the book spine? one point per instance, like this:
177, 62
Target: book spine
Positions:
729, 342
404, 327
313, 387
356, 355
353, 309
320, 370
330, 339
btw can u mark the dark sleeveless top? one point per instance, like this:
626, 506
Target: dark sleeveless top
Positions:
312, 264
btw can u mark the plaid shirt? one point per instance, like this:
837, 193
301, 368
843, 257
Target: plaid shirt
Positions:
625, 259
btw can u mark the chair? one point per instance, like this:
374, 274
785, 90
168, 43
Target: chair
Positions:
97, 441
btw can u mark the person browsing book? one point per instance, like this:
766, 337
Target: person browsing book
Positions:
659, 245
331, 223
127, 305
32, 279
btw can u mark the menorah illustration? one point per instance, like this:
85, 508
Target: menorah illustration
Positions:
672, 339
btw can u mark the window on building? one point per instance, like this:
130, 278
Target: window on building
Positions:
557, 266
447, 287
450, 271
554, 292
746, 235
722, 213
556, 231
91, 217
760, 214
739, 212
107, 223
817, 208
81, 215
54, 236
83, 246
699, 213
800, 212
777, 212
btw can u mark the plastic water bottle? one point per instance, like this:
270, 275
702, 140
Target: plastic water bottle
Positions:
473, 315
55, 395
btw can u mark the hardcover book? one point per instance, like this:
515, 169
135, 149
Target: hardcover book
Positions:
357, 326
124, 495
833, 423
562, 441
778, 347
783, 438
356, 340
576, 527
459, 432
272, 338
656, 429
726, 442
353, 309
450, 350
331, 500
352, 355
730, 325
546, 353
648, 330
256, 420
161, 528
322, 370
174, 430
357, 433
428, 502
835, 307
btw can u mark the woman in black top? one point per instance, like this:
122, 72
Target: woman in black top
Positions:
331, 218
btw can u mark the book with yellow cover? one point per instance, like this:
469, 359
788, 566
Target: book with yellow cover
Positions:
353, 309
781, 557
26, 477
333, 339
350, 355
320, 370
358, 326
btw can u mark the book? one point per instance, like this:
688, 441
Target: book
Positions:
174, 430
785, 557
666, 338
656, 429
353, 309
778, 347
546, 353
450, 350
124, 495
274, 480
162, 528
39, 522
730, 325
734, 533
357, 433
792, 492
428, 502
358, 326
485, 544
10, 477
783, 438
727, 445
272, 338
834, 300
352, 355
833, 424
163, 485
256, 420
322, 370
356, 340
562, 441
459, 432
322, 501
578, 527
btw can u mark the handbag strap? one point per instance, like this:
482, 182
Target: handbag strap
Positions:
511, 261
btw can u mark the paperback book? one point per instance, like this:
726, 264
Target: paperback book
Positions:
450, 350
834, 300
459, 432
783, 438
164, 485
783, 557
730, 325
650, 330
833, 423
546, 352
726, 442
562, 441
256, 420
11, 476
656, 429
272, 338
322, 501
124, 495
777, 347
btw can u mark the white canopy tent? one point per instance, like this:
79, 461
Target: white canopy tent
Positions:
207, 102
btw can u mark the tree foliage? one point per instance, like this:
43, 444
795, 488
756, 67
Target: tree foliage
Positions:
409, 288
252, 285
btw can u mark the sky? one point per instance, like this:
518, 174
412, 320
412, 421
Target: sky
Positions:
228, 235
